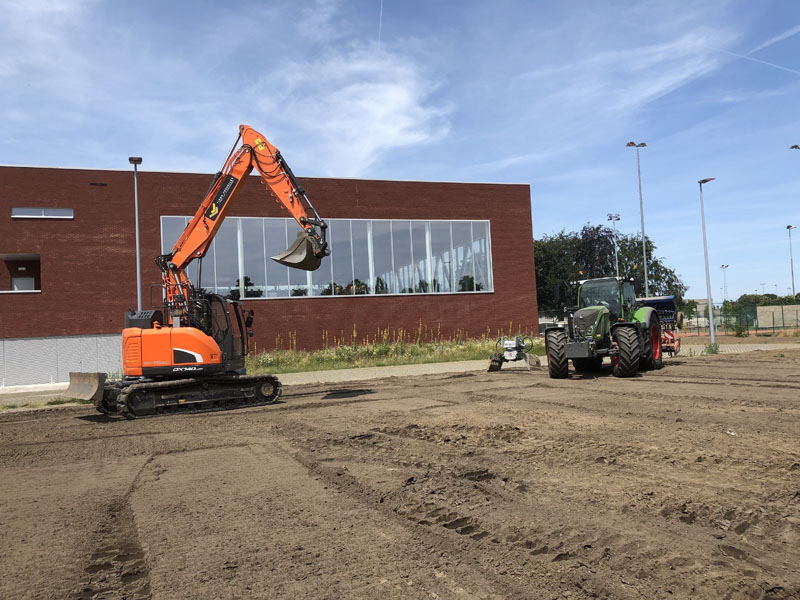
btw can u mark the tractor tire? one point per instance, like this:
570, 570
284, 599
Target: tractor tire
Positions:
652, 356
626, 361
557, 361
587, 365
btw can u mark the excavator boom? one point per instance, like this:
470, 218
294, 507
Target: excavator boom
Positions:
255, 151
191, 358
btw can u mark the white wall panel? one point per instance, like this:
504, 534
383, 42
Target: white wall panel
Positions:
27, 361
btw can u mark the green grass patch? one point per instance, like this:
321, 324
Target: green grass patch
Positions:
57, 401
384, 352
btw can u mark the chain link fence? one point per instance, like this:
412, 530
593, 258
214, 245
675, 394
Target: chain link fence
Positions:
749, 320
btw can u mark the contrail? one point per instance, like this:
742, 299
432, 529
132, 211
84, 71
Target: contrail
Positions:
778, 38
758, 60
380, 25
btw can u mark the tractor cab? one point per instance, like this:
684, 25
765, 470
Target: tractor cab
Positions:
616, 295
601, 293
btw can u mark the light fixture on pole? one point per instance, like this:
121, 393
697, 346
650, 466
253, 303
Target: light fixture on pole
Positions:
614, 217
724, 282
641, 211
791, 257
705, 253
135, 161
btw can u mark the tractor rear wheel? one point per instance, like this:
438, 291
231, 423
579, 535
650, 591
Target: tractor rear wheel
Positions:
626, 361
652, 355
557, 362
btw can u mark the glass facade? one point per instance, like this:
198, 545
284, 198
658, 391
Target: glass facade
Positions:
368, 257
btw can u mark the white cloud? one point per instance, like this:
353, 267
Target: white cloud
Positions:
358, 104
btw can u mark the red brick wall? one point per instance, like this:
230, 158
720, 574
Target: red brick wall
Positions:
88, 265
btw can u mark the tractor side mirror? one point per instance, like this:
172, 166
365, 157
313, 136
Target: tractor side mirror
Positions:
248, 321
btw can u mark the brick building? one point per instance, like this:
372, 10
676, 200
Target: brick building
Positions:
456, 258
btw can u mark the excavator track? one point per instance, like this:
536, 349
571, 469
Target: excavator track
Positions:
197, 395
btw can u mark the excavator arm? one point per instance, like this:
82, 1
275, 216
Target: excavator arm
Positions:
256, 152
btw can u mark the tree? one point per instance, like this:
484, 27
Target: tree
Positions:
556, 270
567, 257
249, 292
467, 284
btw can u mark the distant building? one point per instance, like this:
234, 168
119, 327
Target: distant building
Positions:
414, 258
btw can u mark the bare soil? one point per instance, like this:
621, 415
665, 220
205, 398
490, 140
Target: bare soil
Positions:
680, 483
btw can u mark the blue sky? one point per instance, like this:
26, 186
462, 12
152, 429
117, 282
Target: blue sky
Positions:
545, 93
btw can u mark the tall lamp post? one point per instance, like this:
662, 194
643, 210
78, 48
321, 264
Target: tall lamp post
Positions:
135, 161
705, 253
791, 257
641, 211
614, 217
724, 282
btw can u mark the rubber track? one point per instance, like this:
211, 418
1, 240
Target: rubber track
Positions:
195, 408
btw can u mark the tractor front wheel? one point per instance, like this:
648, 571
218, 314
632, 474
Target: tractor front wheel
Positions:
557, 362
626, 361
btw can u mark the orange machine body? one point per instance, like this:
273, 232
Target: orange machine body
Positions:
167, 350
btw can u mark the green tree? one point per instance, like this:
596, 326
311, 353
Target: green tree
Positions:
249, 292
556, 270
567, 257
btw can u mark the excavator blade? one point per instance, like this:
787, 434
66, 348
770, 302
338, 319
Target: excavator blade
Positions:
302, 254
86, 386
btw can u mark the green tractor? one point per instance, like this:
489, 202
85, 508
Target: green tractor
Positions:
608, 321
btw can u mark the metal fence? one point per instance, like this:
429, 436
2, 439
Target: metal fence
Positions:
751, 319
26, 361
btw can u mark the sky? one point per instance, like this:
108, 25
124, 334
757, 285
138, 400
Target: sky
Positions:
510, 91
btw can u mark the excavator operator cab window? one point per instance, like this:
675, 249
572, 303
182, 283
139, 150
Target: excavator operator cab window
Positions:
239, 340
218, 316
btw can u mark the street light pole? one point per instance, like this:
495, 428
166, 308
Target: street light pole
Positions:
791, 256
724, 282
614, 217
135, 161
641, 211
705, 253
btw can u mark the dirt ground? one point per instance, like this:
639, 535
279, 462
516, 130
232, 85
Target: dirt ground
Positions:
681, 483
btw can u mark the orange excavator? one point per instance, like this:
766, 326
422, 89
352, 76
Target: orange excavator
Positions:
191, 356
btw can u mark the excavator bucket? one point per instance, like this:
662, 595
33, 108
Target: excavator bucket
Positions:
300, 255
86, 386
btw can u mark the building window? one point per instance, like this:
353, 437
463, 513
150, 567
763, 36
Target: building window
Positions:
368, 257
20, 273
19, 212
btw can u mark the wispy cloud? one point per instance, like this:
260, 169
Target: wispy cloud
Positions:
359, 103
338, 101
